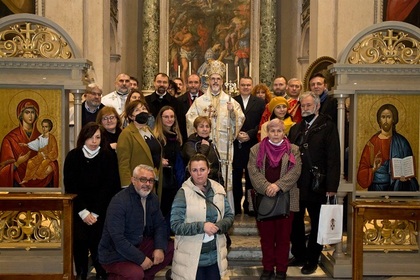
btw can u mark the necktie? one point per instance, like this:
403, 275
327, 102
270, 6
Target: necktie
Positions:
193, 97
307, 127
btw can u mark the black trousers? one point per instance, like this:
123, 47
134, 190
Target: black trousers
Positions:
237, 190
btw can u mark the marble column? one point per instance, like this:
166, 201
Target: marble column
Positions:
150, 42
268, 35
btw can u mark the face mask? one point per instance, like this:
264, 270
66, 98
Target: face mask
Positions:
309, 118
142, 118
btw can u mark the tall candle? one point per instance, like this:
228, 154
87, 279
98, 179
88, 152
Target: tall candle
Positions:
189, 68
167, 68
179, 71
237, 75
250, 68
227, 72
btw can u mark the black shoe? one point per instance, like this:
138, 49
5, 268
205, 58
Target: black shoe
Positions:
308, 268
296, 262
267, 275
280, 275
168, 274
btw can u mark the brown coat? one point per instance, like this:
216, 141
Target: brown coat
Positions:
287, 181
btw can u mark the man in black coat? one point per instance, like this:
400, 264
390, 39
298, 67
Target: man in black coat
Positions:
92, 103
253, 108
317, 137
185, 101
318, 85
160, 97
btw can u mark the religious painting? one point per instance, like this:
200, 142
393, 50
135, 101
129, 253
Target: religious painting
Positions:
388, 143
406, 11
30, 139
10, 7
202, 31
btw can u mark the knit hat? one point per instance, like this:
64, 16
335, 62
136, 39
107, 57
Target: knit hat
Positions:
217, 67
277, 101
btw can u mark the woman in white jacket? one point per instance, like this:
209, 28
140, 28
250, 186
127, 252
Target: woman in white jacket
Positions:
200, 217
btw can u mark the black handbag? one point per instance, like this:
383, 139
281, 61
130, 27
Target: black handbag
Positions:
271, 207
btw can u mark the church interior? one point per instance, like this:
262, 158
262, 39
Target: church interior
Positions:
368, 50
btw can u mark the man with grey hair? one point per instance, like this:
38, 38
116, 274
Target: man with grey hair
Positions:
317, 137
92, 103
135, 242
118, 97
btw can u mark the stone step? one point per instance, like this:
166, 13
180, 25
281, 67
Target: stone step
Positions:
244, 225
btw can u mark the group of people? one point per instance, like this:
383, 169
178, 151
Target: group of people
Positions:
181, 161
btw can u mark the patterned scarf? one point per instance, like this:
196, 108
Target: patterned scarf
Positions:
274, 153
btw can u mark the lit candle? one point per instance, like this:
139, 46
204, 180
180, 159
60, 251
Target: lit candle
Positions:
237, 75
227, 72
167, 68
189, 68
179, 70
250, 68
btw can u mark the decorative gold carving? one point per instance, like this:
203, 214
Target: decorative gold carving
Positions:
386, 47
33, 41
18, 228
390, 235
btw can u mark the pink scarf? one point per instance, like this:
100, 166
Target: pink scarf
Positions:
274, 153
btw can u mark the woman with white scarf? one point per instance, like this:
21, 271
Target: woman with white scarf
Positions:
91, 172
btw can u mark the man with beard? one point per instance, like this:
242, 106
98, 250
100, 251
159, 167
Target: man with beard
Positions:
375, 162
118, 97
160, 97
279, 89
317, 137
318, 85
92, 103
186, 100
135, 243
224, 112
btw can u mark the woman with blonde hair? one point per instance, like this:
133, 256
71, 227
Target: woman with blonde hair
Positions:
167, 132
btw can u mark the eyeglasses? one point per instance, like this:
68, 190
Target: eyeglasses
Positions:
111, 118
145, 180
95, 93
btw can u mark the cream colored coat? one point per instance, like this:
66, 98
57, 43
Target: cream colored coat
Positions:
188, 248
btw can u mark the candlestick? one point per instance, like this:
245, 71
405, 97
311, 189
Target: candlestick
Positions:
227, 72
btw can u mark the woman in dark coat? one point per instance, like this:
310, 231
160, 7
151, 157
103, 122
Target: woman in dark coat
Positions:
200, 142
91, 172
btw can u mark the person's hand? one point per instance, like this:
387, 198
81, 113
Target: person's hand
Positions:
90, 219
243, 136
146, 264
329, 194
272, 190
113, 146
377, 161
23, 144
210, 228
158, 256
165, 162
22, 158
205, 142
229, 106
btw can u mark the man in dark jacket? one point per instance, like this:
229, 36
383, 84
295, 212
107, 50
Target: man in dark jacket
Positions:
160, 97
253, 108
317, 137
134, 242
